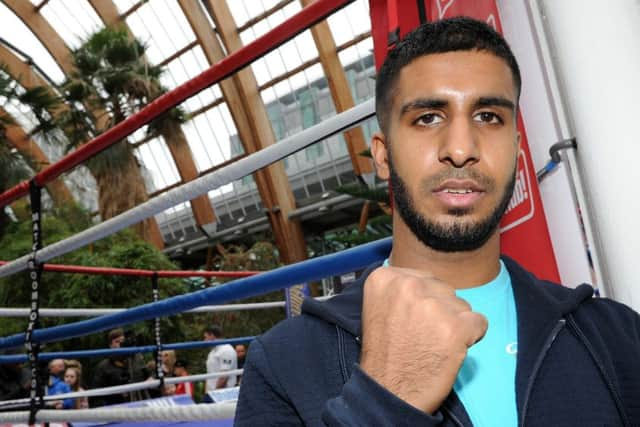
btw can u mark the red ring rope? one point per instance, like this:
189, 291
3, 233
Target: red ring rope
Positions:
61, 268
239, 59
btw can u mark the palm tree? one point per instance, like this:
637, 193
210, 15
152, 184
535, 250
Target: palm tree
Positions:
111, 82
15, 167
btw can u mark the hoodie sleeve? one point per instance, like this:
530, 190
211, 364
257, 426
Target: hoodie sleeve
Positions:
262, 400
364, 402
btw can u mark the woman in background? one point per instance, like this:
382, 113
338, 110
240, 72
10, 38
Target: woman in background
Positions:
73, 377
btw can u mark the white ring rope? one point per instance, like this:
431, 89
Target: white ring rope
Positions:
92, 312
202, 185
212, 411
120, 389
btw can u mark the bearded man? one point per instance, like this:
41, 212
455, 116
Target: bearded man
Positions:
446, 331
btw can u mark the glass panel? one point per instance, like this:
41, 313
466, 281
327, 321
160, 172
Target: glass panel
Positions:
185, 67
350, 22
19, 35
124, 5
162, 26
73, 20
158, 161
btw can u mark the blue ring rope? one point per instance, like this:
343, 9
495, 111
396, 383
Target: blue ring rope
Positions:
124, 351
313, 269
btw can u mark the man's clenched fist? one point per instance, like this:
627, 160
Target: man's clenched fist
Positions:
415, 334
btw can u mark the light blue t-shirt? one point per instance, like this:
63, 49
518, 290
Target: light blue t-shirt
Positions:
486, 381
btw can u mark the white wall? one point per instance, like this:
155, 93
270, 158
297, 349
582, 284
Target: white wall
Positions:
597, 58
544, 127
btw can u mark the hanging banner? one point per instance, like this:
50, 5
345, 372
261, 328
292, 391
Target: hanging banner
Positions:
524, 233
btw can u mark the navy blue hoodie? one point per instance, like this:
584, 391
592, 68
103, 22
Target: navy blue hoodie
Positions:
578, 365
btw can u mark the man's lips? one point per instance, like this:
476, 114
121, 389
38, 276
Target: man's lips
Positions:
459, 194
459, 184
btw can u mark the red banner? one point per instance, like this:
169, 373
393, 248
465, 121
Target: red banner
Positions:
524, 232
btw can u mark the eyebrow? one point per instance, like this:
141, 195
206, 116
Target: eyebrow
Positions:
495, 101
484, 101
423, 103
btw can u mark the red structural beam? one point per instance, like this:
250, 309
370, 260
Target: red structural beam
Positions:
61, 268
239, 59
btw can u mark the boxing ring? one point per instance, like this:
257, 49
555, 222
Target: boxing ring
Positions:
206, 300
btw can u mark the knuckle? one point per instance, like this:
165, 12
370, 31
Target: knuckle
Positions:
463, 304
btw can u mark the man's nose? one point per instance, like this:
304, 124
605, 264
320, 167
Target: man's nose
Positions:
459, 146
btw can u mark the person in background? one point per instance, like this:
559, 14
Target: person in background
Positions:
56, 368
168, 362
180, 370
73, 378
118, 370
56, 385
241, 353
221, 358
12, 383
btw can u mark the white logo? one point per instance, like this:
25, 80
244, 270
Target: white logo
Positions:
512, 348
520, 194
491, 20
442, 9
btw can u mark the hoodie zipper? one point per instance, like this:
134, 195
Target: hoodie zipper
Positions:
536, 367
342, 354
615, 396
452, 416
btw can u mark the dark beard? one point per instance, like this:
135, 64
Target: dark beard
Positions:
455, 237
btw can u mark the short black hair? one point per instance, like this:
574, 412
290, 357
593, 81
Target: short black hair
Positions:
181, 363
448, 35
214, 330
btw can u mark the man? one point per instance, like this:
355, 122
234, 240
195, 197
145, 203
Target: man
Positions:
446, 332
221, 358
241, 354
56, 368
117, 370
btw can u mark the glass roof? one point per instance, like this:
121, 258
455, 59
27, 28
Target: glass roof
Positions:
291, 80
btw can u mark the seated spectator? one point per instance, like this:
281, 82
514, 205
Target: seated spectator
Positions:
56, 385
73, 377
180, 370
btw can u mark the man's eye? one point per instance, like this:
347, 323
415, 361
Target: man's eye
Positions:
488, 117
428, 119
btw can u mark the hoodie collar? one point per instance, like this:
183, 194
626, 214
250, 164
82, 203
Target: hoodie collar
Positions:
344, 309
536, 303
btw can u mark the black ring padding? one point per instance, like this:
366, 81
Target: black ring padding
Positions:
156, 330
422, 11
35, 273
393, 37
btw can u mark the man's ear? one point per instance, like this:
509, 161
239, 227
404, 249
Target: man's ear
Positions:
380, 155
